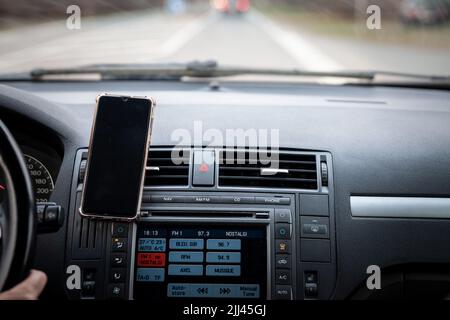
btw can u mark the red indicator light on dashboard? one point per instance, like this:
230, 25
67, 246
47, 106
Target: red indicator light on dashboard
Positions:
203, 167
151, 259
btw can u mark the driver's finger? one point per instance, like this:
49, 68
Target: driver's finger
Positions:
36, 282
28, 289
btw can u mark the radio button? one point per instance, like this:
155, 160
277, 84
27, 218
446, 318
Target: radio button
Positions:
200, 199
311, 290
186, 244
248, 291
117, 275
310, 276
237, 199
283, 261
118, 260
88, 289
283, 246
118, 244
116, 291
223, 257
203, 174
150, 274
181, 290
273, 200
120, 230
223, 244
223, 291
185, 270
152, 244
283, 292
168, 199
283, 277
315, 227
151, 259
223, 271
185, 256
283, 215
282, 231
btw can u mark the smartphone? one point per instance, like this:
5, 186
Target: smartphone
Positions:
117, 157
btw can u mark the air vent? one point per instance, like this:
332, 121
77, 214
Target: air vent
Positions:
87, 238
164, 170
245, 169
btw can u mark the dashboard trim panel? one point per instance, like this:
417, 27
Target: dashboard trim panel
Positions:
400, 207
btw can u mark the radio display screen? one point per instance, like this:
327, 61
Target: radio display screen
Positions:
208, 262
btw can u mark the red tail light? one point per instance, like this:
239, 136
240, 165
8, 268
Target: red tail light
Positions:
243, 5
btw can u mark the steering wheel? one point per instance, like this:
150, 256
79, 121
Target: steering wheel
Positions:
17, 213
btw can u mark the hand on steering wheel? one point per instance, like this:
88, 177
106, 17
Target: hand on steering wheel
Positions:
17, 222
29, 289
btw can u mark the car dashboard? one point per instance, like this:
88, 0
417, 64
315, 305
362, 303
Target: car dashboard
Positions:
363, 184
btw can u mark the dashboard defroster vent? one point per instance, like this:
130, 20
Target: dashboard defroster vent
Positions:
167, 167
287, 170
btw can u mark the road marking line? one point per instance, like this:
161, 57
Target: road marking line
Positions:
64, 47
308, 56
184, 35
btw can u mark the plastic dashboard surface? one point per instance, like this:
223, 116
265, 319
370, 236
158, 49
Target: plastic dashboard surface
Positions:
383, 141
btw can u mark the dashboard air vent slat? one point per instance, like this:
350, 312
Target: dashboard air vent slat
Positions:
162, 170
245, 169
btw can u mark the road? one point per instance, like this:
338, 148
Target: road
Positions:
251, 40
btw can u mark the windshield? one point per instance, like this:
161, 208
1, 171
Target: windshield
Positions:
411, 36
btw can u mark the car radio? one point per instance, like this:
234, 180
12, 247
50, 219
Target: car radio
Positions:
200, 261
232, 250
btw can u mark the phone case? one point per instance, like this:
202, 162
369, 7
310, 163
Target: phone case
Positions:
147, 145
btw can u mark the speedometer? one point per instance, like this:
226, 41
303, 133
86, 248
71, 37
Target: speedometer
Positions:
41, 178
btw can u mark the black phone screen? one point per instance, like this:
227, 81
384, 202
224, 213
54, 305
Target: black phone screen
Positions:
117, 154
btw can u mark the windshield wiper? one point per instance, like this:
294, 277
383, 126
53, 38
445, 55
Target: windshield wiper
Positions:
174, 71
211, 69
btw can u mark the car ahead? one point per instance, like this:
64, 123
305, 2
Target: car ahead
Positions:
231, 6
425, 12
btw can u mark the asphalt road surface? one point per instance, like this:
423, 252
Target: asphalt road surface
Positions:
251, 40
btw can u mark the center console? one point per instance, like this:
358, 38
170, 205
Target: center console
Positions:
211, 242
